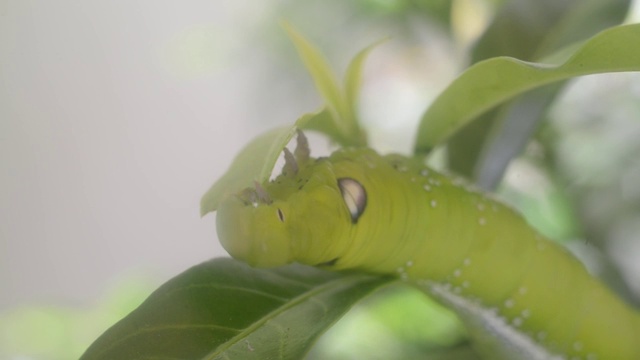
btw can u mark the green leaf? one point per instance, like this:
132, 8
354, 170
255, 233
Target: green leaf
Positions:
324, 122
527, 30
353, 76
324, 79
496, 80
223, 309
339, 118
254, 163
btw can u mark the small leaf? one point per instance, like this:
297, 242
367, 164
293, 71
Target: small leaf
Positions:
493, 81
324, 78
223, 309
353, 77
323, 122
339, 118
254, 163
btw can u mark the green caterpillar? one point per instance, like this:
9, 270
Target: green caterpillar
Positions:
523, 296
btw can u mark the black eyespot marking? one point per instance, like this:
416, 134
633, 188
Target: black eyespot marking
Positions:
354, 196
280, 215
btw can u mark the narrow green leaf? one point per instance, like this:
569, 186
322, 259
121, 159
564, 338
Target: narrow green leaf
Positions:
223, 309
339, 118
353, 77
493, 81
324, 79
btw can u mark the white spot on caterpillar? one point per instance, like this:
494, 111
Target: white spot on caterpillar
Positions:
541, 336
522, 290
526, 313
424, 172
466, 262
434, 203
457, 272
520, 345
480, 206
592, 356
509, 303
465, 284
517, 322
409, 263
541, 246
403, 273
577, 346
263, 247
427, 187
482, 221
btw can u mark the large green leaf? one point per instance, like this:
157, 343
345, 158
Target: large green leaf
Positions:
223, 309
527, 30
496, 80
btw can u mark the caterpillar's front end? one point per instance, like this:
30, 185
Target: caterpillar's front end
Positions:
251, 230
298, 217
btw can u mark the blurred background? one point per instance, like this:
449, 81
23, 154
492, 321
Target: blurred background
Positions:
115, 117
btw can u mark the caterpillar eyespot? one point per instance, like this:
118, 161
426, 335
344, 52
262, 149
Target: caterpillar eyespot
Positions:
354, 196
390, 215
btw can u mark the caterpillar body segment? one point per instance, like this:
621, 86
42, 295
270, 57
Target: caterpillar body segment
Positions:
521, 295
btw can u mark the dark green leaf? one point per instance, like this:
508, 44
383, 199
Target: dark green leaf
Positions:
223, 309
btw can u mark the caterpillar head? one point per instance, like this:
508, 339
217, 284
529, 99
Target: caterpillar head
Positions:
304, 215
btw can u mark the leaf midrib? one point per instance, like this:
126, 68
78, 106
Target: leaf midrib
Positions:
333, 284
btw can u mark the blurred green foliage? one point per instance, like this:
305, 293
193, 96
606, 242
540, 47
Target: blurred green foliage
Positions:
50, 332
576, 178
